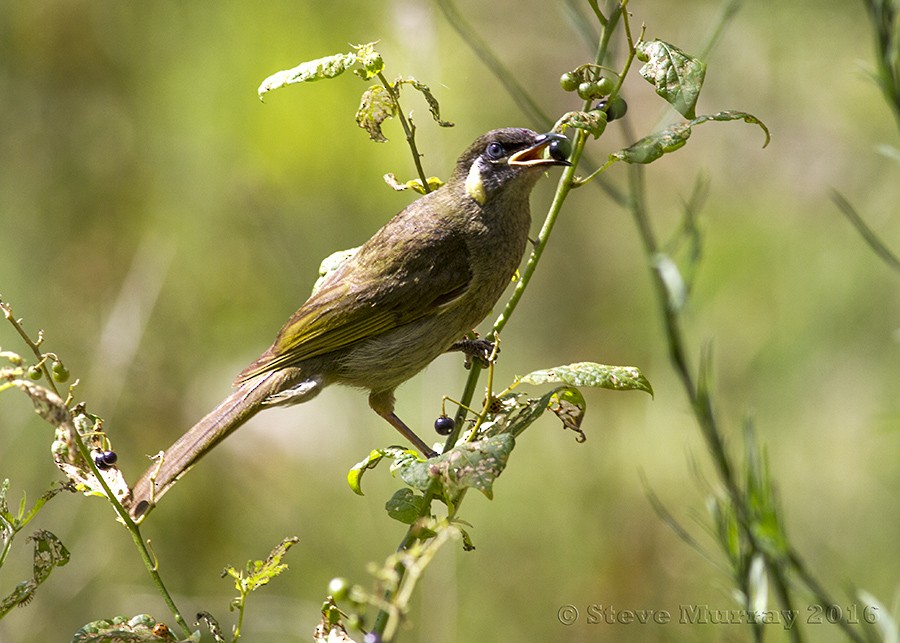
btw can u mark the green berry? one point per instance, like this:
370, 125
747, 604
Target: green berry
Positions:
338, 588
34, 372
604, 86
60, 372
568, 81
586, 90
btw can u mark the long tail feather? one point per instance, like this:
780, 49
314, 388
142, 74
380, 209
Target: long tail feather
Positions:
243, 403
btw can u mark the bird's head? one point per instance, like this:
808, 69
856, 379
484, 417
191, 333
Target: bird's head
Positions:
511, 158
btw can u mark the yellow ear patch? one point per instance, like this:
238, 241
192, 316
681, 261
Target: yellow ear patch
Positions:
474, 184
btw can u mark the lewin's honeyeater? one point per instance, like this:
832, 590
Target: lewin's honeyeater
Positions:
410, 293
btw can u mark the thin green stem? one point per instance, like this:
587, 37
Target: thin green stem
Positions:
564, 186
701, 402
33, 345
135, 532
566, 183
240, 619
409, 129
600, 17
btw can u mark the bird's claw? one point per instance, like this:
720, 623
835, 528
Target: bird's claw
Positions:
483, 350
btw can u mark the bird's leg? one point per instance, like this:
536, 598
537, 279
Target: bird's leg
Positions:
382, 402
480, 349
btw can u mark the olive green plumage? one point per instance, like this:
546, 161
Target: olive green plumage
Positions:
424, 280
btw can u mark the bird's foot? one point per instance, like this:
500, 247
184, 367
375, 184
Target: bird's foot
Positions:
483, 350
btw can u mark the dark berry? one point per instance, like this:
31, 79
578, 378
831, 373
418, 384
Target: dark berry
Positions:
560, 149
616, 109
105, 459
443, 425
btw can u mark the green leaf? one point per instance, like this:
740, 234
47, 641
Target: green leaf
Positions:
423, 89
651, 147
21, 595
354, 476
677, 76
405, 505
470, 464
376, 106
141, 628
49, 552
311, 70
616, 378
569, 406
565, 401
593, 122
370, 60
260, 572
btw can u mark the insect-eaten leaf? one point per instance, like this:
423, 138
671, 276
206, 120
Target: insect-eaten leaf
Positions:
370, 61
565, 401
49, 552
651, 147
677, 76
569, 406
399, 455
469, 464
259, 572
376, 106
414, 184
318, 69
433, 105
138, 629
616, 378
405, 505
213, 626
593, 122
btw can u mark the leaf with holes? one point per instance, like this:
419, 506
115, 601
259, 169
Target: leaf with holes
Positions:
616, 378
375, 107
651, 147
469, 464
677, 76
405, 505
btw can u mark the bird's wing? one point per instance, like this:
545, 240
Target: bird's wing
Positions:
371, 294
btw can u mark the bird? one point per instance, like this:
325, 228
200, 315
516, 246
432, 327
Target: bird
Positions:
413, 291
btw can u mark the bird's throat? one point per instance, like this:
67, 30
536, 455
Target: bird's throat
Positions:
474, 185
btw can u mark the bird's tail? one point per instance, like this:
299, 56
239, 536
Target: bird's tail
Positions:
243, 403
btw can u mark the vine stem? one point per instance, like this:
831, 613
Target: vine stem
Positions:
132, 527
566, 182
134, 531
408, 128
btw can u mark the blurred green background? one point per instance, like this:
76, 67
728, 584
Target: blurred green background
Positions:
160, 224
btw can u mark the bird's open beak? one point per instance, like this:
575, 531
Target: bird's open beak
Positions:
534, 155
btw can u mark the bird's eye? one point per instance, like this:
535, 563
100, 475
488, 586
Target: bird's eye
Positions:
495, 151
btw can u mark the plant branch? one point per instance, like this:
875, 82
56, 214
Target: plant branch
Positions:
409, 129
